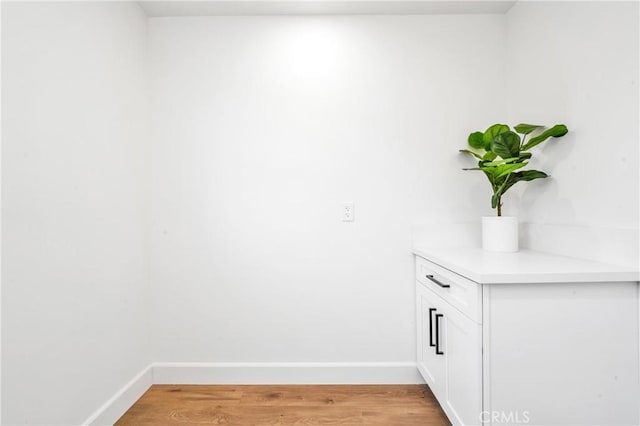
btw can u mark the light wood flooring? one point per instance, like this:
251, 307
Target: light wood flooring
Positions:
389, 405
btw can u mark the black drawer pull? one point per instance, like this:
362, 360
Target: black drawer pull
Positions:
431, 343
438, 282
438, 351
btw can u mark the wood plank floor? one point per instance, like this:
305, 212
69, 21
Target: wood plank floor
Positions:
389, 405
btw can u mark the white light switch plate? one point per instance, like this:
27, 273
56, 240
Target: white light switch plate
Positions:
347, 212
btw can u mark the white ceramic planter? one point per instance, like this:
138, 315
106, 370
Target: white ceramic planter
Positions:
500, 233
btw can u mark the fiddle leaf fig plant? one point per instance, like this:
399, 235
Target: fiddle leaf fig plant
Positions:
502, 153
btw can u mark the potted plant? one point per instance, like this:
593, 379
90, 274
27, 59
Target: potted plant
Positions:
502, 153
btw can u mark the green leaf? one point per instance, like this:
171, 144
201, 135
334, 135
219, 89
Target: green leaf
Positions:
524, 156
488, 170
525, 129
489, 173
475, 140
491, 133
525, 175
556, 131
499, 162
494, 201
475, 154
489, 156
505, 169
506, 144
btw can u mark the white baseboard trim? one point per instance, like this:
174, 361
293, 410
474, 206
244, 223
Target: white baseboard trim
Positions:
260, 373
119, 403
252, 373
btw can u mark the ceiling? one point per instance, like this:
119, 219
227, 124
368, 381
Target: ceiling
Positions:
154, 8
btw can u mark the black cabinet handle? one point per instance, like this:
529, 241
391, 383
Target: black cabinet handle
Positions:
431, 311
438, 282
438, 351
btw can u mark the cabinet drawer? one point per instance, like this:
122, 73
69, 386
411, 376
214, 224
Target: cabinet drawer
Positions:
463, 294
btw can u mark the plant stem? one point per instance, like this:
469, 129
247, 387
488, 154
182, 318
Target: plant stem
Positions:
499, 191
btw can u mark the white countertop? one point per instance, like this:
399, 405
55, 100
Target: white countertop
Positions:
524, 266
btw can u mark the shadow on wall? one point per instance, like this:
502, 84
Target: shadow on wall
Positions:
545, 192
557, 151
608, 245
540, 199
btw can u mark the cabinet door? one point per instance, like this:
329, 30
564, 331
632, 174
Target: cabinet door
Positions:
450, 357
430, 364
460, 341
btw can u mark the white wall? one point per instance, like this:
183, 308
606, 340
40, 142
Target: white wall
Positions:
74, 277
262, 127
577, 63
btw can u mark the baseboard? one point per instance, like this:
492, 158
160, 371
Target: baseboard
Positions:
252, 373
261, 373
119, 403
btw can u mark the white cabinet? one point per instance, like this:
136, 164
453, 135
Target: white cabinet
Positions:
552, 352
449, 350
450, 357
